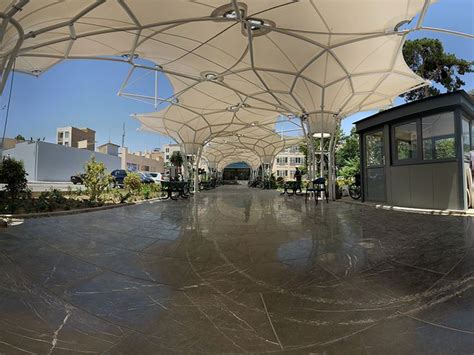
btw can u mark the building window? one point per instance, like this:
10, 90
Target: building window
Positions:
167, 150
167, 157
466, 139
132, 167
438, 136
472, 135
298, 160
66, 134
406, 136
66, 144
374, 149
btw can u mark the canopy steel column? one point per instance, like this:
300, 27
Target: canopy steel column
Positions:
321, 156
309, 162
330, 167
10, 57
196, 170
185, 164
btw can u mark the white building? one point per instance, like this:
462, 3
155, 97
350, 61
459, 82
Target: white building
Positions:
287, 161
168, 150
54, 162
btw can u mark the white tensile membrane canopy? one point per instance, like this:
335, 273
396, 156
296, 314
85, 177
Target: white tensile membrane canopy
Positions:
263, 142
219, 155
192, 125
326, 58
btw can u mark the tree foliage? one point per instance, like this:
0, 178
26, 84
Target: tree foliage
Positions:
133, 182
427, 58
13, 175
176, 159
20, 138
348, 155
96, 179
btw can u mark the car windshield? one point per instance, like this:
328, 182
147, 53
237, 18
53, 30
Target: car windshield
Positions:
153, 174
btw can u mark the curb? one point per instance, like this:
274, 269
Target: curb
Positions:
452, 213
76, 211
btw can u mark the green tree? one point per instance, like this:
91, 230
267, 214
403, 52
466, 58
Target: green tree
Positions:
13, 175
96, 179
427, 58
348, 148
20, 138
176, 159
133, 182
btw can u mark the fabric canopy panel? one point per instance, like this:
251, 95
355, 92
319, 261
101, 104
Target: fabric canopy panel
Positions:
193, 126
222, 153
247, 158
264, 143
326, 59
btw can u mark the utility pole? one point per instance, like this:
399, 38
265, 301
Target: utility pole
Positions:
123, 135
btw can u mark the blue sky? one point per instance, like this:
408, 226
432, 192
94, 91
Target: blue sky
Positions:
84, 93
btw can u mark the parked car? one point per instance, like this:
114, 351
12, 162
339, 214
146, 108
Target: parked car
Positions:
145, 179
165, 176
118, 176
77, 179
156, 177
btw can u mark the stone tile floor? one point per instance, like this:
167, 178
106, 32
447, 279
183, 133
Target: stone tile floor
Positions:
238, 270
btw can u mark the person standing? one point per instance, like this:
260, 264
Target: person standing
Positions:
298, 179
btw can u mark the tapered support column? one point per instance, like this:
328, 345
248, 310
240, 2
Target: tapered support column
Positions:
330, 168
321, 156
196, 171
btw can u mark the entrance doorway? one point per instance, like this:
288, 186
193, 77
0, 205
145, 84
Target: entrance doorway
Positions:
236, 171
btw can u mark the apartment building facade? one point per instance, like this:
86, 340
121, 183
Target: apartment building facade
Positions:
82, 138
287, 161
168, 150
141, 161
109, 148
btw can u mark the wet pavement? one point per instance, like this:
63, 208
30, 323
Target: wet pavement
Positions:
238, 270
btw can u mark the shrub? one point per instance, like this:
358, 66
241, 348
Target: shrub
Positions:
280, 181
96, 179
133, 182
51, 200
351, 168
146, 191
13, 175
150, 191
120, 197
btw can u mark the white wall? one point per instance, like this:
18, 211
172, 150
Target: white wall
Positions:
55, 162
26, 152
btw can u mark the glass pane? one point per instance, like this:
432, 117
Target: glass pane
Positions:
376, 184
466, 139
472, 134
438, 136
406, 141
374, 149
445, 148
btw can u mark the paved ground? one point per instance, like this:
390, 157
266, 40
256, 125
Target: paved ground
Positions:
238, 270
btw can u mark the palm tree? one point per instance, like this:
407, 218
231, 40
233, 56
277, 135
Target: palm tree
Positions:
176, 159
